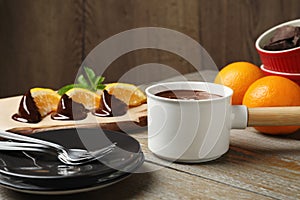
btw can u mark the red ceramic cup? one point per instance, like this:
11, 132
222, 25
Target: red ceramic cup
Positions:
286, 61
292, 76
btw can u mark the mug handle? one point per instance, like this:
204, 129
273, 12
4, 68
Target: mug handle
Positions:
265, 116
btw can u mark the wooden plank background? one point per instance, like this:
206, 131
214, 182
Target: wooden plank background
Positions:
43, 42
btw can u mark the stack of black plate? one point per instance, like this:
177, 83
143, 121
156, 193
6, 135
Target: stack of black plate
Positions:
42, 173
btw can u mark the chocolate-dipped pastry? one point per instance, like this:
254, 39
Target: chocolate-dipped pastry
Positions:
110, 106
68, 109
28, 111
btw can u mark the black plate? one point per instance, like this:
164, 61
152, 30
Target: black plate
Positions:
26, 186
28, 168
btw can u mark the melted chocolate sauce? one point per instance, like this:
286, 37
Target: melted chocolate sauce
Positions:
187, 94
28, 111
110, 106
68, 109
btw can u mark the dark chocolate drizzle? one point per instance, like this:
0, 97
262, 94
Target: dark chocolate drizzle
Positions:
28, 111
110, 106
68, 109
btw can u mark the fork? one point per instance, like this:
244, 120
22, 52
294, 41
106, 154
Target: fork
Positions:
23, 146
69, 156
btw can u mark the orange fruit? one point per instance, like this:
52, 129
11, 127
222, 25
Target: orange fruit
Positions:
273, 91
89, 99
128, 93
238, 76
45, 99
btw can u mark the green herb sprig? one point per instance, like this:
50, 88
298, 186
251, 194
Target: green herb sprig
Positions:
92, 82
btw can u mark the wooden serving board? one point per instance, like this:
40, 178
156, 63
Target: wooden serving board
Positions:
135, 118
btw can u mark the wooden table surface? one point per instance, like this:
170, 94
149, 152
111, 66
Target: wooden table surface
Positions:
256, 166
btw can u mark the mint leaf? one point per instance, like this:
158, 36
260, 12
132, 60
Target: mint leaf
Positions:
89, 72
90, 75
100, 87
92, 82
99, 81
81, 80
64, 89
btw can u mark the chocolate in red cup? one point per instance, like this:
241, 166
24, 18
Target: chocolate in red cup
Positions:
286, 61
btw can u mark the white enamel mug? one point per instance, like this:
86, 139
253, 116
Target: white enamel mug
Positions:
198, 130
